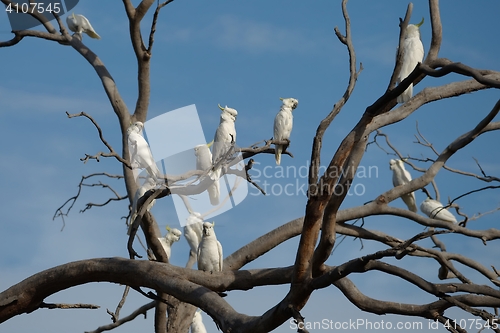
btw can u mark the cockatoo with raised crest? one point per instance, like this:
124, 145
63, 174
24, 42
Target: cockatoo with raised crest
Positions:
204, 162
140, 154
79, 23
210, 250
411, 55
225, 135
401, 176
283, 124
435, 210
172, 236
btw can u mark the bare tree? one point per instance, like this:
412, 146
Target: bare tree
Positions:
179, 291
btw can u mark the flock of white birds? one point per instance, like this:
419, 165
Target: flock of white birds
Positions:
200, 235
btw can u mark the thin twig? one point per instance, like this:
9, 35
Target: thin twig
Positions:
112, 152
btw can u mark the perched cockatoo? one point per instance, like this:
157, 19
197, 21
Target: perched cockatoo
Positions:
172, 236
193, 231
412, 54
79, 24
435, 210
197, 325
224, 136
401, 176
210, 250
149, 184
283, 124
204, 162
140, 154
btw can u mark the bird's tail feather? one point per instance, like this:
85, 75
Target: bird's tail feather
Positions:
409, 200
93, 34
154, 172
214, 193
406, 95
277, 153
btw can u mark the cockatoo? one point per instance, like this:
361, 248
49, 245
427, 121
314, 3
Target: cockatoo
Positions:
224, 136
283, 124
140, 154
149, 184
172, 236
197, 325
79, 24
193, 231
204, 162
401, 176
435, 210
210, 250
412, 54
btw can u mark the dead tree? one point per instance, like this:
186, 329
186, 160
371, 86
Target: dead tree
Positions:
179, 291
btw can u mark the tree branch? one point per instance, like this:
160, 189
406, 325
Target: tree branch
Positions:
142, 310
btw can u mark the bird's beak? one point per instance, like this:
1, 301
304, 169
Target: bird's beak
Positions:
220, 107
421, 22
281, 98
210, 143
168, 228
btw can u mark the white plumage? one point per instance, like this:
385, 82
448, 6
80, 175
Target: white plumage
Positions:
79, 24
224, 136
193, 231
140, 154
197, 325
283, 124
204, 162
149, 184
172, 236
435, 210
412, 54
401, 176
209, 251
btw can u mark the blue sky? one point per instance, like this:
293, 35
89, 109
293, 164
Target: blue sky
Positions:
245, 55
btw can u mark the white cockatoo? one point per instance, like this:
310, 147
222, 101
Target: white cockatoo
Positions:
149, 184
412, 54
140, 154
173, 235
79, 23
197, 325
204, 162
435, 210
224, 136
283, 124
401, 176
209, 250
193, 231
